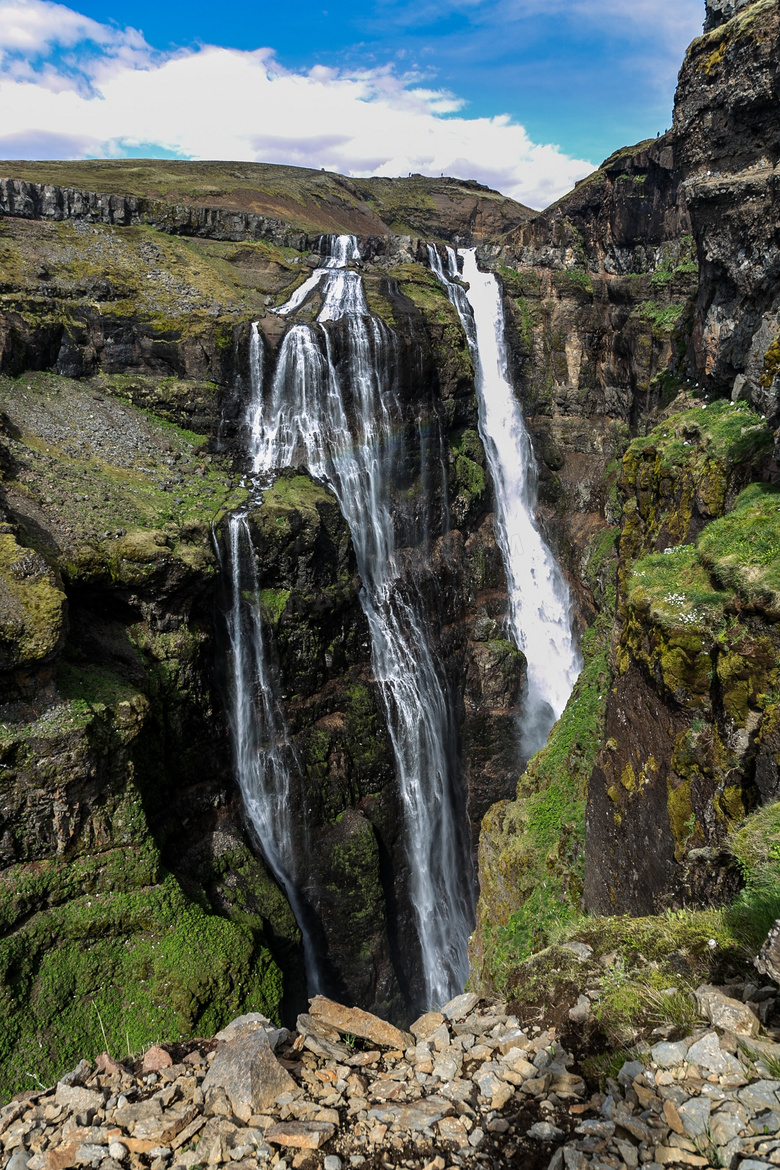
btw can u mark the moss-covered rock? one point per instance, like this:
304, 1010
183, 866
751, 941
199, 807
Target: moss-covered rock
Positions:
695, 658
32, 608
94, 933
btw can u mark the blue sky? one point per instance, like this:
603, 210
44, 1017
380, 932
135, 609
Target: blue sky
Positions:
524, 94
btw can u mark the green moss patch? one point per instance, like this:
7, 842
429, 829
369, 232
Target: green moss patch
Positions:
532, 849
143, 964
742, 549
32, 606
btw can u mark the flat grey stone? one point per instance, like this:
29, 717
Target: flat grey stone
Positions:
250, 1074
77, 1100
460, 1006
760, 1095
89, 1155
726, 1128
18, 1160
670, 1055
630, 1071
77, 1075
766, 1123
593, 1128
708, 1054
545, 1131
418, 1115
459, 1090
695, 1115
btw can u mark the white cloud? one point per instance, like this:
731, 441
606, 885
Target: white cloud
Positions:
33, 26
226, 104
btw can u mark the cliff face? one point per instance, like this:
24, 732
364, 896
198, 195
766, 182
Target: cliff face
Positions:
725, 121
640, 298
124, 350
691, 714
599, 296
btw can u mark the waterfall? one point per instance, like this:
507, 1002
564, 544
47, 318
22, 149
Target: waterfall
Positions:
342, 419
539, 604
264, 760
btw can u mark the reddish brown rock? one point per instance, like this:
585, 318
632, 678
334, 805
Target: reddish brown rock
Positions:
305, 1135
155, 1059
356, 1022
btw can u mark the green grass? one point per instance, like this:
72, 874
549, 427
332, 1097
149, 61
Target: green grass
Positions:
694, 585
663, 318
538, 839
675, 589
573, 280
742, 549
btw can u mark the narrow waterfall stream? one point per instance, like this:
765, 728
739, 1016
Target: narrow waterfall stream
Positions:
263, 757
341, 418
539, 604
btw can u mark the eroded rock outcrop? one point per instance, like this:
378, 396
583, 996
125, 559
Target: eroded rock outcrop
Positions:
725, 125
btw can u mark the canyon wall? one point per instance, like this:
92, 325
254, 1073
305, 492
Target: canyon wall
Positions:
669, 315
137, 897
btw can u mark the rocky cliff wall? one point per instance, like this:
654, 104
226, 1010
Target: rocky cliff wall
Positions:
725, 122
124, 352
599, 294
660, 271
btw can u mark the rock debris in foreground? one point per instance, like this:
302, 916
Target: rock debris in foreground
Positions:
469, 1088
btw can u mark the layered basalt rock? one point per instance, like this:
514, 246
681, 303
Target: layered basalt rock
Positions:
725, 123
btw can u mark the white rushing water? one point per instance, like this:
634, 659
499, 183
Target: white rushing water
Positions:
342, 420
264, 760
539, 603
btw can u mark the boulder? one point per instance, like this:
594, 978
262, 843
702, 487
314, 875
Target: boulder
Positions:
768, 959
724, 1012
249, 1073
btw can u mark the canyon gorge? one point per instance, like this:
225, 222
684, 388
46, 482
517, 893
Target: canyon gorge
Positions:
389, 585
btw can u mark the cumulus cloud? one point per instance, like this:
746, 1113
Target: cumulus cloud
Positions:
228, 104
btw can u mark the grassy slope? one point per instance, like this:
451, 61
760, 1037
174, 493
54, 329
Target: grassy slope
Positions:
309, 200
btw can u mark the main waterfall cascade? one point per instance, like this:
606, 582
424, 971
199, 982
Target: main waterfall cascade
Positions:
341, 417
539, 604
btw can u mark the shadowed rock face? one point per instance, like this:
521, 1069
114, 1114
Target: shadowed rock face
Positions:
726, 125
719, 11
